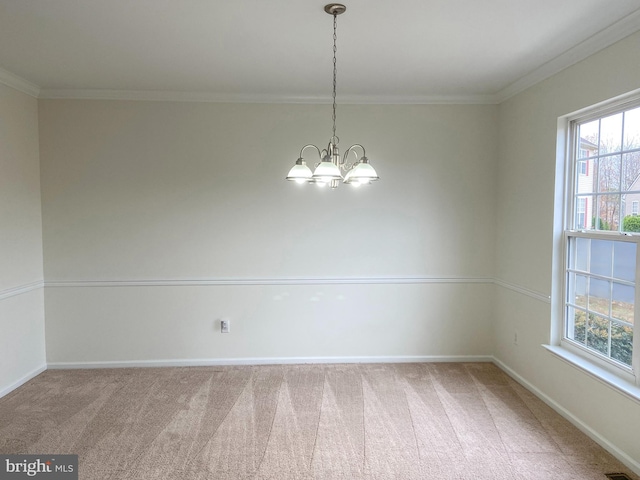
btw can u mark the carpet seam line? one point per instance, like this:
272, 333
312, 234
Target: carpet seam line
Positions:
273, 420
315, 440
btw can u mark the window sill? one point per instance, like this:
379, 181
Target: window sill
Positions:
607, 378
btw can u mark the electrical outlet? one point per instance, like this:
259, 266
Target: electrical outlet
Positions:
224, 326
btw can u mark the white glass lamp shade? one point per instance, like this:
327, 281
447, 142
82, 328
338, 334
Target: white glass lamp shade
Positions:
300, 173
347, 177
362, 173
327, 171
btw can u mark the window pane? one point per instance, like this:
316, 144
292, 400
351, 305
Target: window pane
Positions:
576, 325
632, 129
631, 223
621, 343
624, 261
588, 139
599, 295
607, 216
582, 221
630, 171
580, 290
598, 334
585, 182
611, 134
582, 253
623, 302
601, 257
609, 173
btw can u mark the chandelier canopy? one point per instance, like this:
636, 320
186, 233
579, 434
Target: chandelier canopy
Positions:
329, 170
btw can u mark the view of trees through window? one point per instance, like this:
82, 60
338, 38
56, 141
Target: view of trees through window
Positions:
609, 179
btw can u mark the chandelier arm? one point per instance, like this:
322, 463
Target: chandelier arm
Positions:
347, 166
346, 153
310, 145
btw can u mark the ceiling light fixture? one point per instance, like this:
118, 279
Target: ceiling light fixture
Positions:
328, 171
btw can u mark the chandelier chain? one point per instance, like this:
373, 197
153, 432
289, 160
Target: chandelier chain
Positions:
335, 71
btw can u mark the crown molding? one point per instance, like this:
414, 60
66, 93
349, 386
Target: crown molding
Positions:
14, 81
175, 96
172, 96
466, 99
601, 40
266, 281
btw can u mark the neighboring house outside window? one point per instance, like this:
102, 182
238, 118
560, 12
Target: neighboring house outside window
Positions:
583, 167
585, 181
632, 200
601, 243
581, 211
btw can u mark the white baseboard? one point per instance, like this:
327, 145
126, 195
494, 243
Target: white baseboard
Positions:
268, 361
10, 388
591, 433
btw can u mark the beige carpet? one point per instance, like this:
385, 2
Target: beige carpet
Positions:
392, 421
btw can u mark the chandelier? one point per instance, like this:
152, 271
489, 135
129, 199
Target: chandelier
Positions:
329, 170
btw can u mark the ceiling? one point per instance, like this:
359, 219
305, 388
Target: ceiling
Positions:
280, 50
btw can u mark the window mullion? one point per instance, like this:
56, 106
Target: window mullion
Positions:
635, 356
575, 147
622, 153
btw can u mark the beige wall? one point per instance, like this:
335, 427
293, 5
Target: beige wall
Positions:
154, 190
524, 246
162, 191
21, 314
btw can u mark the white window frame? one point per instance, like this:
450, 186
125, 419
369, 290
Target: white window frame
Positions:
614, 373
634, 207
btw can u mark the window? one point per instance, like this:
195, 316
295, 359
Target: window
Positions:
602, 238
581, 212
582, 167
